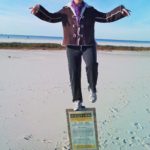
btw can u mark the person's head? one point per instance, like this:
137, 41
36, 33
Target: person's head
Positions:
78, 1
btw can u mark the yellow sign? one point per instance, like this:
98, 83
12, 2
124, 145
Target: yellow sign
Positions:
84, 146
82, 129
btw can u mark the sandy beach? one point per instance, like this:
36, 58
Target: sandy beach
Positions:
35, 92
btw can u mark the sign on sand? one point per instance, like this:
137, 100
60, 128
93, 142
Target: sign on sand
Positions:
82, 129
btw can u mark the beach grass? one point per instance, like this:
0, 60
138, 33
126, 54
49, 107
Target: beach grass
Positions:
56, 46
43, 46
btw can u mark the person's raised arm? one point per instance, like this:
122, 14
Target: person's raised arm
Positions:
116, 14
43, 14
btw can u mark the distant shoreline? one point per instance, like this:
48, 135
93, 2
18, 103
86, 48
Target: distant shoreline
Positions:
56, 46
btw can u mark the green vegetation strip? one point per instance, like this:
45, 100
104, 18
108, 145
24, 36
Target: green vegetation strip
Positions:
30, 46
55, 46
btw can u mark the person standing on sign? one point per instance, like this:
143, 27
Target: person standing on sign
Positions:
78, 20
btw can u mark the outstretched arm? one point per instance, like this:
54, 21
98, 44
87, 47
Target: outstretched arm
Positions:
116, 14
43, 14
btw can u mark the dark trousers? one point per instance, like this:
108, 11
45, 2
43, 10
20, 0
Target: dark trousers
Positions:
74, 55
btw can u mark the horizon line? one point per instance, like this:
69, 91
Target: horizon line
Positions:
62, 37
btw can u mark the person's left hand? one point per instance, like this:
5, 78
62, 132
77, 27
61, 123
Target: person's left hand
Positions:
126, 11
34, 9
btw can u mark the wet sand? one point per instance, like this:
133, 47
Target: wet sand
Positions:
35, 91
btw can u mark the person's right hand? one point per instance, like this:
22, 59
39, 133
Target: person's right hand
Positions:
126, 11
34, 9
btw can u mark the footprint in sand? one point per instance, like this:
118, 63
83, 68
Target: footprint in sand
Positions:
28, 137
46, 141
148, 110
138, 125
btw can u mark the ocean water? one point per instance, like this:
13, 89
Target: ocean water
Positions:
52, 39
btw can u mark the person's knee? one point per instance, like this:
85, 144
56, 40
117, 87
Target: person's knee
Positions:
92, 66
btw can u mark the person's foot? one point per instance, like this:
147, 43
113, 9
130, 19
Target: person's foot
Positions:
78, 105
93, 96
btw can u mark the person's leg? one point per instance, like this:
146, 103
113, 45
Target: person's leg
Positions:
74, 65
90, 58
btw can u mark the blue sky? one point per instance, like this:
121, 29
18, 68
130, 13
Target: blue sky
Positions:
16, 18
